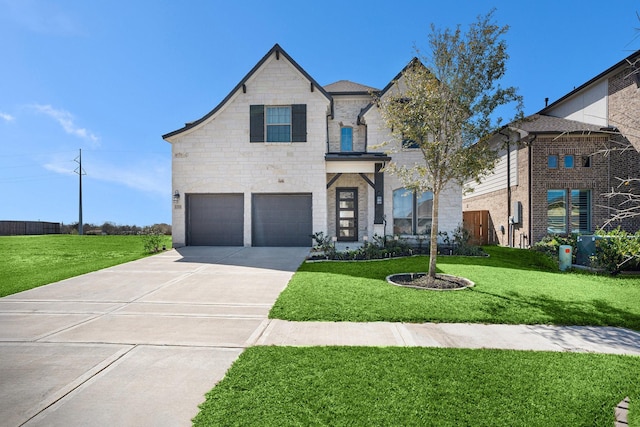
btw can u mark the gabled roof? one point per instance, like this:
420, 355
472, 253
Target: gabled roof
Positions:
415, 61
346, 87
277, 50
629, 59
540, 124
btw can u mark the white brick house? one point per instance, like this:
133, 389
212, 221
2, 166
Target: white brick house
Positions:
282, 157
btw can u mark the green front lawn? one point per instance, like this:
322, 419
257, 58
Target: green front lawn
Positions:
31, 261
512, 286
367, 386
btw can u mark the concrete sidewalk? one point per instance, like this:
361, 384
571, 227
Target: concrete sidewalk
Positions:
584, 339
141, 343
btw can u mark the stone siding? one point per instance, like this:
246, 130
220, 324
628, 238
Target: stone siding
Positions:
217, 157
345, 113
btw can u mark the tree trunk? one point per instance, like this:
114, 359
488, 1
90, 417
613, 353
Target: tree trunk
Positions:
433, 245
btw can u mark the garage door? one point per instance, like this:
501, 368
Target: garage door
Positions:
215, 220
281, 220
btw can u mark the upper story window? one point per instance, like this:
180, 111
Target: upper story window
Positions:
346, 139
279, 123
568, 161
552, 161
410, 143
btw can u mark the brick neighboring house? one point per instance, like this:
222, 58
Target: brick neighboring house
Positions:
282, 157
552, 173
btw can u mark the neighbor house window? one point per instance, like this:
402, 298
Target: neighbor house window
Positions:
580, 211
586, 161
568, 211
409, 143
568, 161
552, 161
411, 212
346, 139
281, 123
557, 211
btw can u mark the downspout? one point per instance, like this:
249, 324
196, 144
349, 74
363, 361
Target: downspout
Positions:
530, 168
509, 222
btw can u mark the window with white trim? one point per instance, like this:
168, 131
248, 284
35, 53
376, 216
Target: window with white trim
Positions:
278, 123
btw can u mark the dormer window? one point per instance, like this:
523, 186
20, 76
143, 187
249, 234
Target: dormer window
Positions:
346, 139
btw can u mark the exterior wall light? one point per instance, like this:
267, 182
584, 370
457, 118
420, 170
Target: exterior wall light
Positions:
176, 196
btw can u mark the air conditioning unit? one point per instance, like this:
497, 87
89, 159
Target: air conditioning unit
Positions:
516, 213
586, 248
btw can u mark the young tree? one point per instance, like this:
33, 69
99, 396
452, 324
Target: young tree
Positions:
446, 104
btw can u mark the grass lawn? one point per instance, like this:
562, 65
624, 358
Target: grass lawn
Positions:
31, 261
368, 386
513, 286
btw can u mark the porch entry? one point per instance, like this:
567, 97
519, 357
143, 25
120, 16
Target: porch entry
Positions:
347, 214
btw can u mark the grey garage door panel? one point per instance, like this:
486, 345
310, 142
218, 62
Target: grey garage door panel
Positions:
281, 219
215, 220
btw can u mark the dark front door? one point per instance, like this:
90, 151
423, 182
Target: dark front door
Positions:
347, 214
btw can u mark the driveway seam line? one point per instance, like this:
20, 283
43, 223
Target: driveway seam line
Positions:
69, 388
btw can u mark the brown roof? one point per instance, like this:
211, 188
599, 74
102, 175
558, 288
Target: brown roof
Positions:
539, 123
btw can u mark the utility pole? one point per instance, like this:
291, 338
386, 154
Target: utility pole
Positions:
80, 172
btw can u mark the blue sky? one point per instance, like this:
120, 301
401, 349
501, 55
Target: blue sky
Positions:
111, 77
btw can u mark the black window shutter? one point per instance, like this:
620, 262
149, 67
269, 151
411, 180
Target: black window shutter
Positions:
299, 123
257, 123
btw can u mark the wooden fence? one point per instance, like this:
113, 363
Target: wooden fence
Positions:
22, 228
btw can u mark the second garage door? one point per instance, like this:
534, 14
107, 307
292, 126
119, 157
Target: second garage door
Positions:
215, 219
281, 220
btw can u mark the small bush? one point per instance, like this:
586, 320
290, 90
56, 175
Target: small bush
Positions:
152, 237
381, 247
324, 244
460, 242
618, 251
550, 246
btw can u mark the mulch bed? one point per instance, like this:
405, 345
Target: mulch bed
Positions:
442, 282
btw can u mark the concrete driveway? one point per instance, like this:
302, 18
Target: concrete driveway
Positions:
139, 343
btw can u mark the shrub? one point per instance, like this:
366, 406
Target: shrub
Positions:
619, 251
460, 242
550, 246
152, 237
390, 246
324, 244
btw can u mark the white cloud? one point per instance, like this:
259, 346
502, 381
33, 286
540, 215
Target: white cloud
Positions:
6, 117
148, 178
67, 121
